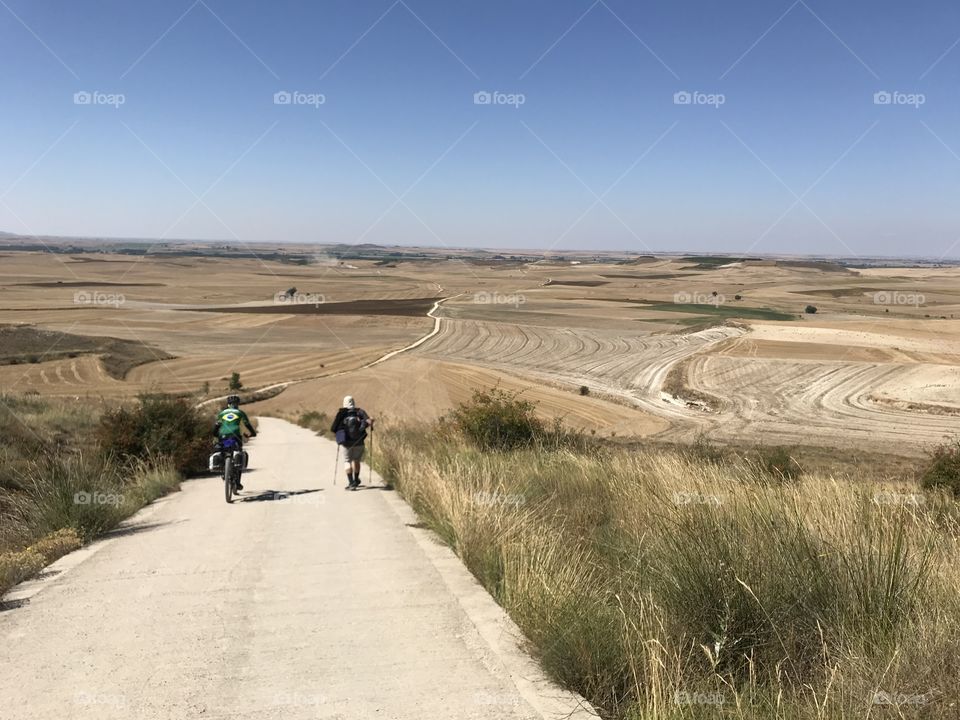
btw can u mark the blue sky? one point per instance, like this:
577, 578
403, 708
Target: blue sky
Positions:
784, 149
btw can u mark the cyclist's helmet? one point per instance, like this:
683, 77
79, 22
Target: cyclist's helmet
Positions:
233, 401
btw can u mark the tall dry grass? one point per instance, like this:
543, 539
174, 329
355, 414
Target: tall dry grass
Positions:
660, 585
59, 487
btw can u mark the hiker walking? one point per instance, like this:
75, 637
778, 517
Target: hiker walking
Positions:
350, 428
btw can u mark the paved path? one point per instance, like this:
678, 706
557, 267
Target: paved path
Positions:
318, 604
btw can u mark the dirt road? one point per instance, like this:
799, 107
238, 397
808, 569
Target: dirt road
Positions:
300, 600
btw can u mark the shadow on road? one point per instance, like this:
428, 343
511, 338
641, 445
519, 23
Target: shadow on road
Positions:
269, 495
134, 529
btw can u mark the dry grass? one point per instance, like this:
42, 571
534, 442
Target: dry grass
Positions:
664, 586
18, 566
58, 488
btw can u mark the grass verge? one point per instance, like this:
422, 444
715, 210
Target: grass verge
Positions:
69, 474
662, 584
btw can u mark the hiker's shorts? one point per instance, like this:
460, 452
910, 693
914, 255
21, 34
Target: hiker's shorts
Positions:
354, 453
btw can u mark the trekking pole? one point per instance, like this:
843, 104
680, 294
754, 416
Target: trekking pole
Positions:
370, 459
336, 465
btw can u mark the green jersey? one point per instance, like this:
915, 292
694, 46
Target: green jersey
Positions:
229, 421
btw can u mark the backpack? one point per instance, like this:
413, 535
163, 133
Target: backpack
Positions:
353, 426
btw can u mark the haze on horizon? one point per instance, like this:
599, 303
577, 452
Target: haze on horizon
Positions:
790, 127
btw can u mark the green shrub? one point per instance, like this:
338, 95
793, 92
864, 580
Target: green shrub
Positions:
161, 428
314, 420
498, 420
810, 309
235, 383
703, 450
943, 468
778, 463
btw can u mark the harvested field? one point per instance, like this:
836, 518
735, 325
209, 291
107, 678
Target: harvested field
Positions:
415, 307
578, 283
23, 344
85, 284
869, 370
417, 389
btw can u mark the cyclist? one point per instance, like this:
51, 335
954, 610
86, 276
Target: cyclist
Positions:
230, 422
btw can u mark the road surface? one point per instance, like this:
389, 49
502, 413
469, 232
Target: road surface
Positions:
300, 600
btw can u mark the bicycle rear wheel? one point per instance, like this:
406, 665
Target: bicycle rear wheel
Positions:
228, 478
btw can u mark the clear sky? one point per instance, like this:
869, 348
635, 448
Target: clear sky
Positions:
782, 147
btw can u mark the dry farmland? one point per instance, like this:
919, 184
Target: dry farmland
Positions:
672, 348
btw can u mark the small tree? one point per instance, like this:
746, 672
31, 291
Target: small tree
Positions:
584, 390
235, 383
810, 309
